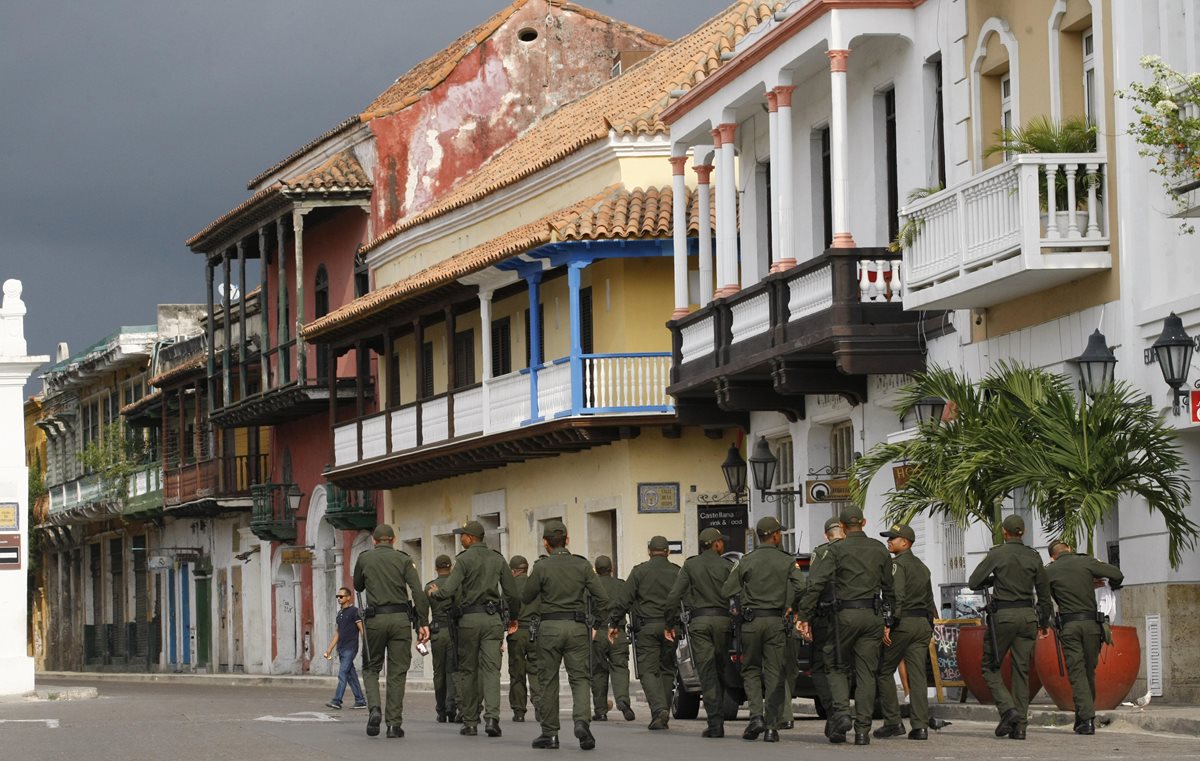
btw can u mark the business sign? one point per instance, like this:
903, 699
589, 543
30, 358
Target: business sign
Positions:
1193, 405
10, 552
901, 474
10, 516
295, 556
827, 490
658, 497
730, 520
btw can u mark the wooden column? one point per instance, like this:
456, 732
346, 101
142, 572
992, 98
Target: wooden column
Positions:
281, 323
360, 407
301, 353
419, 340
226, 330
241, 253
210, 335
385, 393
451, 370
263, 313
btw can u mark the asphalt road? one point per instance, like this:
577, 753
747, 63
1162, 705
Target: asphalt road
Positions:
136, 722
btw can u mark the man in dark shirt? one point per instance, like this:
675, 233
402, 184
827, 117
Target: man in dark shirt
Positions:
645, 594
345, 641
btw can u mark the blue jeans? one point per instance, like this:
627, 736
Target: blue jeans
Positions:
347, 675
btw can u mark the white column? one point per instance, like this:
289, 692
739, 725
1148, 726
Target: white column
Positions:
773, 199
727, 233
16, 666
485, 332
704, 230
679, 231
839, 139
785, 254
718, 236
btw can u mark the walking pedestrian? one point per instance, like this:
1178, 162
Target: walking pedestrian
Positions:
645, 595
1080, 627
441, 637
524, 687
393, 589
610, 660
347, 628
1020, 607
822, 623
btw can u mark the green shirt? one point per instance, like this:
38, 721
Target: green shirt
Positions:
860, 566
1071, 580
439, 607
765, 578
389, 577
646, 589
914, 587
479, 575
615, 589
699, 584
559, 581
1014, 572
826, 594
527, 610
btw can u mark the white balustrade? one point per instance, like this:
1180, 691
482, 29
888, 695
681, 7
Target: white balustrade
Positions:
810, 293
374, 436
750, 317
435, 421
468, 411
345, 444
404, 428
878, 280
633, 381
508, 402
698, 340
554, 389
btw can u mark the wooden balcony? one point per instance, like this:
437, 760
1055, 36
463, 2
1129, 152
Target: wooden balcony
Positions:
818, 328
1009, 232
350, 509
273, 518
566, 405
282, 404
212, 486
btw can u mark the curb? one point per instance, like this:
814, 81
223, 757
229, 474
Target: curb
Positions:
1148, 721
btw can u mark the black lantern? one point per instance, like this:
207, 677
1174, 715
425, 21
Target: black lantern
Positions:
293, 497
1173, 350
1097, 365
763, 464
930, 408
734, 469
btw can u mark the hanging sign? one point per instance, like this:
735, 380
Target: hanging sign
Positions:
827, 490
10, 552
1193, 405
295, 556
901, 474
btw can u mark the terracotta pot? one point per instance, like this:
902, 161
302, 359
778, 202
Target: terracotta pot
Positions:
970, 665
1115, 672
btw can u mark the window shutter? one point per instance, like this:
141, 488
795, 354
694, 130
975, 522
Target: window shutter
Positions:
585, 321
501, 347
464, 358
427, 370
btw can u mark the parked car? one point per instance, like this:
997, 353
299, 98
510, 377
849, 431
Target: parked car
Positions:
686, 699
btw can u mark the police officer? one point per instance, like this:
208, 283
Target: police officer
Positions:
445, 675
766, 581
1081, 628
560, 583
478, 578
821, 622
1015, 573
645, 594
699, 586
522, 656
610, 661
861, 570
908, 638
389, 577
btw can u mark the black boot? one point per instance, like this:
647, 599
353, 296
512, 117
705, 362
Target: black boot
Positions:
519, 717
1008, 720
862, 738
491, 727
394, 731
919, 733
771, 736
626, 711
754, 728
469, 730
584, 735
889, 730
1017, 733
441, 717
714, 729
660, 720
546, 742
838, 727
1085, 727
374, 720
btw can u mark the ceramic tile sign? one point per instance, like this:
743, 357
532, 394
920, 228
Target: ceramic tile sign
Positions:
658, 497
10, 516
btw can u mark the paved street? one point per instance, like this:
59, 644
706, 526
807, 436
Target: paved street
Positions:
188, 721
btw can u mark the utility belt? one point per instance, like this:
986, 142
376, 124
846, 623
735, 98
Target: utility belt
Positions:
566, 615
1067, 618
860, 604
1011, 604
490, 608
378, 610
437, 623
698, 612
639, 622
749, 614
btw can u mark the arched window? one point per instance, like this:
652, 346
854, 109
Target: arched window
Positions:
320, 309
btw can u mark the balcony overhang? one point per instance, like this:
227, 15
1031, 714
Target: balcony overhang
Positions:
282, 405
209, 507
480, 453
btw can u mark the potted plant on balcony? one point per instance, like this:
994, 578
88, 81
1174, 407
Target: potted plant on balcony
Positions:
1023, 427
910, 228
1167, 127
1045, 135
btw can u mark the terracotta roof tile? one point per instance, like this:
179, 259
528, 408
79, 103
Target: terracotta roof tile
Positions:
262, 205
341, 173
627, 105
615, 213
146, 402
193, 365
343, 126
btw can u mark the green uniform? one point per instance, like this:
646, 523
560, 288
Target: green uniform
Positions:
645, 595
389, 577
522, 660
1071, 579
766, 581
559, 583
445, 675
610, 662
479, 575
699, 587
821, 632
1014, 572
911, 633
862, 570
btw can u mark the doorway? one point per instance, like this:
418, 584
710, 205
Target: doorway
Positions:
602, 536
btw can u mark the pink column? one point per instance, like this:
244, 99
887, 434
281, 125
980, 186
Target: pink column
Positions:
727, 251
679, 230
704, 231
840, 149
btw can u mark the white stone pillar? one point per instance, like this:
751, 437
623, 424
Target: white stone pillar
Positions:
16, 665
839, 148
704, 230
784, 255
727, 233
485, 332
679, 231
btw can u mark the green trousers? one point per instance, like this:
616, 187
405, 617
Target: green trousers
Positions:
390, 635
445, 679
522, 669
910, 645
565, 643
656, 666
610, 663
763, 648
861, 631
820, 666
1081, 643
1016, 630
479, 638
791, 669
710, 646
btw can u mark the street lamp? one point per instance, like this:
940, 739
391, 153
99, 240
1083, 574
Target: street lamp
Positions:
734, 469
763, 464
1173, 350
293, 497
930, 408
1097, 365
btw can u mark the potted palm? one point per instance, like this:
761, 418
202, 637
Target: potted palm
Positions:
1023, 427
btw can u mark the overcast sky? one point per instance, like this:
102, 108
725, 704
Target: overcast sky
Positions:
128, 125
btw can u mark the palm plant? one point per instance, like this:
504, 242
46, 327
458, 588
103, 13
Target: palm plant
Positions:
1042, 134
1025, 427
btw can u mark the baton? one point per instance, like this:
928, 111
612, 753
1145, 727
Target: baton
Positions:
362, 616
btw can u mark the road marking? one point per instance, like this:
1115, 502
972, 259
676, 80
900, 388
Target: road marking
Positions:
302, 716
50, 723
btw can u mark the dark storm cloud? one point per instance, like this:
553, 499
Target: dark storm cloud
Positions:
127, 125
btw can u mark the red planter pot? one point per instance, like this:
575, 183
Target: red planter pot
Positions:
1115, 672
970, 665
